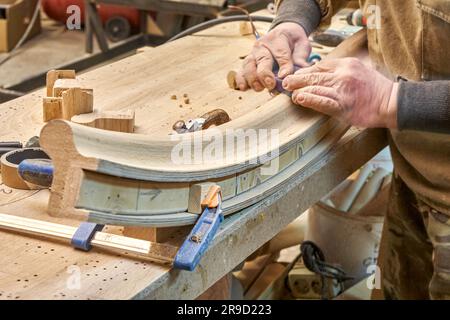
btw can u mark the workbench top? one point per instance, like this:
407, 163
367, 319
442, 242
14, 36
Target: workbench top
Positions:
31, 268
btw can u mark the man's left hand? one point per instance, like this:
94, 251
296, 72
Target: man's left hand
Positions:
348, 90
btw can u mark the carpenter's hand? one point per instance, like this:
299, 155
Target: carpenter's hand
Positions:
348, 90
287, 43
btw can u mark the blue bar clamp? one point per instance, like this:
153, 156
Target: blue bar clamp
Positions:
199, 239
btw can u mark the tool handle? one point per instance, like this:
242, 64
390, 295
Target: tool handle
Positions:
194, 247
11, 144
279, 82
37, 171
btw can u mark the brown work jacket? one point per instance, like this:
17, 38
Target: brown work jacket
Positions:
411, 38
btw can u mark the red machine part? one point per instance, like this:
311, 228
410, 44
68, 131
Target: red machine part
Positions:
56, 10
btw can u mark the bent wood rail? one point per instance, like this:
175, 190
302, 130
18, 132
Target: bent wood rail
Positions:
131, 179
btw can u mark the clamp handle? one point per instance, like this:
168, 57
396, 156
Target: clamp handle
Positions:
199, 239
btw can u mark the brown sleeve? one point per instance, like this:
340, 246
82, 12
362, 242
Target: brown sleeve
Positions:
328, 8
303, 12
424, 106
308, 13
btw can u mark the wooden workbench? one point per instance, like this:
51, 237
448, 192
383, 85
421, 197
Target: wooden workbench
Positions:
31, 268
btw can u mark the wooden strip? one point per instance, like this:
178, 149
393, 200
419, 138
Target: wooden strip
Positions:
110, 242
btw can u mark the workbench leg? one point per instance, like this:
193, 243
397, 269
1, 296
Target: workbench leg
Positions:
169, 23
143, 25
88, 29
95, 24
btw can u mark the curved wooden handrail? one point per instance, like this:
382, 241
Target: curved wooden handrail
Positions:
121, 178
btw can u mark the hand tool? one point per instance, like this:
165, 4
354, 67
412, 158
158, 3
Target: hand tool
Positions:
215, 117
37, 171
245, 11
7, 146
313, 58
199, 239
329, 38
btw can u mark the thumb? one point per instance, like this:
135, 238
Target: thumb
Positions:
301, 53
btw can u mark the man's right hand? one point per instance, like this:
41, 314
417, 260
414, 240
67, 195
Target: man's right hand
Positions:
287, 44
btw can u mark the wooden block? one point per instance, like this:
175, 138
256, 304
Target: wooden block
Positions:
54, 75
158, 235
197, 193
245, 28
153, 28
52, 108
121, 121
231, 80
62, 85
65, 96
76, 101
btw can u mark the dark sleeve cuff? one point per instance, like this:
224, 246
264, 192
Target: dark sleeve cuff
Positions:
304, 12
424, 106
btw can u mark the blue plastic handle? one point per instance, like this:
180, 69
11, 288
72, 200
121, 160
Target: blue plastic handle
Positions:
193, 248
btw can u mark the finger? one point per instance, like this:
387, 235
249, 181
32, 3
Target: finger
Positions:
321, 104
329, 65
250, 73
241, 83
327, 92
282, 53
301, 54
297, 81
264, 66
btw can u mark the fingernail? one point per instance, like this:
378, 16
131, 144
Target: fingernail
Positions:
284, 72
269, 82
285, 84
300, 97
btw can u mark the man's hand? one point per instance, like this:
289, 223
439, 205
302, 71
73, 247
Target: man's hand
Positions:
287, 43
348, 90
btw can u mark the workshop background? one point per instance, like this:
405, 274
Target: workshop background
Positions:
331, 251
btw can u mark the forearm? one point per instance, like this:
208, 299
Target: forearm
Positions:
424, 106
